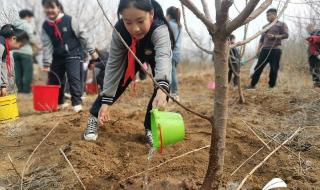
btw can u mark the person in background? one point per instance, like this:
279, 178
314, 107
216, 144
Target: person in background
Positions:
23, 58
64, 41
11, 38
314, 54
174, 16
99, 66
269, 50
234, 63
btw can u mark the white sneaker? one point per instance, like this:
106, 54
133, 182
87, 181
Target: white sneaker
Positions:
77, 108
63, 106
91, 132
67, 95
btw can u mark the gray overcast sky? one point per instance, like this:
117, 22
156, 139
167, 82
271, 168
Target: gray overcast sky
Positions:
256, 25
200, 30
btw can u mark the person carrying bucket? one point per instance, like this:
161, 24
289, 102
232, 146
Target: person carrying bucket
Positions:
23, 58
11, 38
99, 66
64, 40
145, 29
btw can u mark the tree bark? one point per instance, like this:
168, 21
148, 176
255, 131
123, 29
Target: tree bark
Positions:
215, 169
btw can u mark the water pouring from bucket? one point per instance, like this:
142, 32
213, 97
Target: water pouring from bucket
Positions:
167, 128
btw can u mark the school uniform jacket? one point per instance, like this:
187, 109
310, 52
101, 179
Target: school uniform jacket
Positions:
75, 38
155, 48
3, 67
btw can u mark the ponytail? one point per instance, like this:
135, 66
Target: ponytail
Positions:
175, 14
9, 31
158, 12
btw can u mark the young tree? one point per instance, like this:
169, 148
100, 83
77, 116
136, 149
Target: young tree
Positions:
219, 32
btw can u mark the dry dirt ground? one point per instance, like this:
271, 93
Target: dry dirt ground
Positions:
120, 151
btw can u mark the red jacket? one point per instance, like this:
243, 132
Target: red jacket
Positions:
314, 42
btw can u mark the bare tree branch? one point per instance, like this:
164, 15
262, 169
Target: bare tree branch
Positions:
266, 158
258, 11
206, 10
72, 168
189, 33
223, 14
14, 167
245, 34
239, 20
163, 163
198, 13
218, 7
241, 43
34, 151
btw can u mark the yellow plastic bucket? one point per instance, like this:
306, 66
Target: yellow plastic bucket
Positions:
8, 108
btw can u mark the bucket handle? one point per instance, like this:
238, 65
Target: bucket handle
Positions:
55, 74
161, 140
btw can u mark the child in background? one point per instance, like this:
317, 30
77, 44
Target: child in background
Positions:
11, 38
99, 66
143, 26
23, 58
234, 63
64, 41
314, 54
173, 17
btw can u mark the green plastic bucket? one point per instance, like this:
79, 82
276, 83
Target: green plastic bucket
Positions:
167, 128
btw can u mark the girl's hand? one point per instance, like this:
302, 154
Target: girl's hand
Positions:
3, 91
104, 114
160, 101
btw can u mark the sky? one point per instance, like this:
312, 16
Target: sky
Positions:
199, 30
292, 10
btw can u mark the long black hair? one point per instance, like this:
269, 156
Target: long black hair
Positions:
8, 31
148, 6
175, 14
52, 3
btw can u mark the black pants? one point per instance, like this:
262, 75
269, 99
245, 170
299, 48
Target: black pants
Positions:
121, 88
234, 71
267, 56
315, 69
72, 66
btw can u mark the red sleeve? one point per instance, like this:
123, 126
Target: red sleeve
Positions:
316, 39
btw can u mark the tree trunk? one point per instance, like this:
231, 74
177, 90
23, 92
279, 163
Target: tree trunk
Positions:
214, 174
